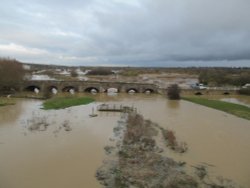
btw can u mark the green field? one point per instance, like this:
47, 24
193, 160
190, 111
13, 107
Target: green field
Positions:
65, 102
231, 108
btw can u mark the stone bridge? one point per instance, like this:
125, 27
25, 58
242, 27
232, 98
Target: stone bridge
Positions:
121, 87
88, 86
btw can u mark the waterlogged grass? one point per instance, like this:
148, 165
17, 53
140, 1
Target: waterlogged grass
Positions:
231, 108
65, 102
6, 101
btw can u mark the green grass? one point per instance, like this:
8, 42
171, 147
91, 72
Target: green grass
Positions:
65, 102
231, 108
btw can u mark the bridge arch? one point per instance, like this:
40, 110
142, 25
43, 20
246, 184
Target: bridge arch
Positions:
49, 88
68, 88
149, 90
112, 90
32, 88
198, 93
52, 89
132, 90
89, 89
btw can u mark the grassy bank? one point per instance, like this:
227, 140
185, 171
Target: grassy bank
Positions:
231, 108
65, 102
6, 101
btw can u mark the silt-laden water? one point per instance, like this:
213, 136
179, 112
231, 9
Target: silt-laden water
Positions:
58, 158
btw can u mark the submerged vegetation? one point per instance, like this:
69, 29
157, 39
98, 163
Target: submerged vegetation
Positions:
65, 102
231, 108
6, 101
37, 123
171, 141
41, 123
138, 160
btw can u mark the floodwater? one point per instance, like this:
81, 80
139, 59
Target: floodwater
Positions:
242, 101
237, 99
59, 158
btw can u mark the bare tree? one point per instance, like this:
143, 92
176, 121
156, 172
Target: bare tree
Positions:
11, 73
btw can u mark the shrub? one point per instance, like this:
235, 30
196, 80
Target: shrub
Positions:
173, 92
170, 138
73, 73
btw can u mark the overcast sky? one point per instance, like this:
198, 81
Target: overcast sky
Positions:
127, 32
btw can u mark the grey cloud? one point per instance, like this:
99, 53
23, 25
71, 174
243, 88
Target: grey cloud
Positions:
132, 32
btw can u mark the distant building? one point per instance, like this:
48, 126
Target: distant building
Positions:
26, 67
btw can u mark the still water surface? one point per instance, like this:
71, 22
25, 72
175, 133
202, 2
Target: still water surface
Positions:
59, 158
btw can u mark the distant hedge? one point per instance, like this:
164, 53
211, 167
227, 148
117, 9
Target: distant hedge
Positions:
100, 71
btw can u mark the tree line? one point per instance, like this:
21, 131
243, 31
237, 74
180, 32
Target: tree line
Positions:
225, 76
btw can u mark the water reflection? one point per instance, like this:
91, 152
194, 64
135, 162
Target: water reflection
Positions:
9, 114
173, 104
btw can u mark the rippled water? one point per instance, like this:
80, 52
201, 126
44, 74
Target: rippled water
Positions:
59, 158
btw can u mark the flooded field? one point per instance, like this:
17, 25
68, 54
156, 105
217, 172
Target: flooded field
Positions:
237, 99
56, 157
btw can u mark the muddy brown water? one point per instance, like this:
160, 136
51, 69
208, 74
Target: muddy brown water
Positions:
59, 158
